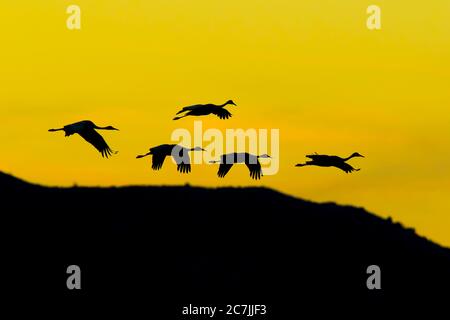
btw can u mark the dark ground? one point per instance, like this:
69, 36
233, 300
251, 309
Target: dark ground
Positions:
159, 248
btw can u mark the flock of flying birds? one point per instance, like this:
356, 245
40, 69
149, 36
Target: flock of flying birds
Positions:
87, 130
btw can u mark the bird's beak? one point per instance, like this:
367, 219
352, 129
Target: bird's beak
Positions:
361, 156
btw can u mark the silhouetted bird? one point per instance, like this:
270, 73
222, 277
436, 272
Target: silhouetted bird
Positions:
179, 154
86, 129
330, 161
227, 160
205, 109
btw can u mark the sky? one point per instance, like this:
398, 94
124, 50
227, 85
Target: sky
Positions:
311, 69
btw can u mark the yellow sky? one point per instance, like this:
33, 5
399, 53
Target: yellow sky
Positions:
309, 68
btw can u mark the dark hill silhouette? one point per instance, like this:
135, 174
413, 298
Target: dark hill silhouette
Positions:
9, 182
168, 246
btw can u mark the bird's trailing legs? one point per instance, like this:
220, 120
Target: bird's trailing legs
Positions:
303, 164
143, 155
300, 164
177, 118
60, 129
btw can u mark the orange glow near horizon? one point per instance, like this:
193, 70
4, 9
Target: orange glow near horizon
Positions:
312, 70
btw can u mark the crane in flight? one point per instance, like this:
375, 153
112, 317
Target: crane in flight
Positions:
87, 130
322, 160
179, 153
205, 109
251, 161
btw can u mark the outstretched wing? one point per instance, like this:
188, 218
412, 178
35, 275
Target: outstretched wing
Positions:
223, 169
345, 167
190, 108
183, 161
94, 138
181, 157
184, 167
158, 160
316, 157
222, 113
255, 170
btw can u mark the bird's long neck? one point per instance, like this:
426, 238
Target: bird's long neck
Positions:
348, 158
307, 163
101, 128
223, 105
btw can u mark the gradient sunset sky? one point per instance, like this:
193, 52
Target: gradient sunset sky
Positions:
308, 68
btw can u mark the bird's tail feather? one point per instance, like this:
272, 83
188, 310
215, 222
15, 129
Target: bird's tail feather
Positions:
181, 111
300, 164
176, 118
